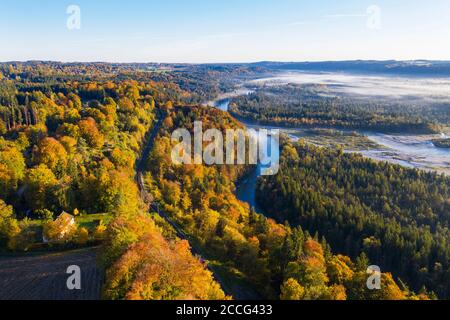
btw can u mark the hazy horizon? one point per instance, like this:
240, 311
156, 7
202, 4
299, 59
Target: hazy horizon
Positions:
218, 62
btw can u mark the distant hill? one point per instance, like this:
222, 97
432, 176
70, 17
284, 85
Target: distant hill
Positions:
392, 67
418, 68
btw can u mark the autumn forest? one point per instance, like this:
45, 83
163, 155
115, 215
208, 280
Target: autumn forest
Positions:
85, 164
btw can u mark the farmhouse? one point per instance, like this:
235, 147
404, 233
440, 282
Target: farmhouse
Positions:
60, 228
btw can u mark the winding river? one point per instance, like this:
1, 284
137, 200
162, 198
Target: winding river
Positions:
412, 151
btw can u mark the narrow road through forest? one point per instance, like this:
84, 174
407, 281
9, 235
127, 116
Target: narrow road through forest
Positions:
237, 291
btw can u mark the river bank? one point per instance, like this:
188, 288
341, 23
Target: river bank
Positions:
411, 151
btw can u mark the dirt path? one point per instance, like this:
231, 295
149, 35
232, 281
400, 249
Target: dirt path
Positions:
140, 166
43, 277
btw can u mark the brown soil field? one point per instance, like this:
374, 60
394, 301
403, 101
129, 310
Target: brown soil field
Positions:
44, 277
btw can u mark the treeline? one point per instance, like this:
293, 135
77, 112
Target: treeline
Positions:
313, 105
194, 84
399, 217
280, 261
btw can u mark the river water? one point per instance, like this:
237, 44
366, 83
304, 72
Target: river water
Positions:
412, 151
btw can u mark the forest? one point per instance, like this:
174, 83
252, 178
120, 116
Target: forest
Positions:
276, 259
71, 146
314, 105
398, 217
71, 139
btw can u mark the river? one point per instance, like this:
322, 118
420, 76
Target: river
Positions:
412, 151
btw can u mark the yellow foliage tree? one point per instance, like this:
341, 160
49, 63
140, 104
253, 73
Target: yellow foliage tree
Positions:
9, 226
82, 236
12, 167
292, 290
51, 153
89, 131
151, 268
38, 183
100, 232
338, 269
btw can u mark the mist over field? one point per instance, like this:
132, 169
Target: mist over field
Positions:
420, 90
422, 95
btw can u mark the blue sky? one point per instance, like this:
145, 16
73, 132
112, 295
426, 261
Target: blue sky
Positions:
225, 30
